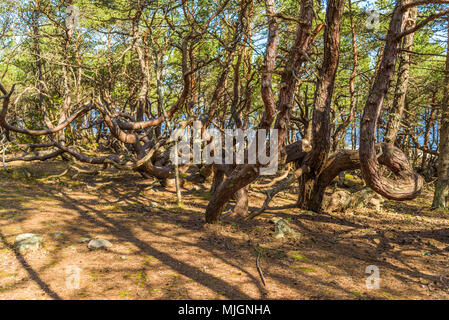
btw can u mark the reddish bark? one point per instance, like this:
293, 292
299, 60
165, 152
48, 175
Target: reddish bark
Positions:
242, 175
315, 159
410, 183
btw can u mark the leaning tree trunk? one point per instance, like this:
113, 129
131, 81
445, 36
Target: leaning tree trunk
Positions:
398, 106
442, 184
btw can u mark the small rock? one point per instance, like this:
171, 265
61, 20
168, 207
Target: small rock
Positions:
170, 183
27, 241
95, 244
342, 200
123, 257
153, 204
376, 203
83, 240
57, 235
282, 229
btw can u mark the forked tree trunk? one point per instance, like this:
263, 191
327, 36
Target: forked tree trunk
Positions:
310, 193
243, 175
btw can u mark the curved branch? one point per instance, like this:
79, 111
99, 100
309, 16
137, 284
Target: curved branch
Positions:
113, 125
410, 184
83, 158
38, 156
390, 156
41, 132
187, 76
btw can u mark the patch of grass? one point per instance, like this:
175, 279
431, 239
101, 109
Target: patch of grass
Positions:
127, 276
124, 293
142, 279
204, 196
6, 288
309, 213
81, 294
328, 292
4, 274
388, 296
356, 293
174, 209
295, 255
16, 174
305, 269
350, 177
149, 261
94, 276
75, 183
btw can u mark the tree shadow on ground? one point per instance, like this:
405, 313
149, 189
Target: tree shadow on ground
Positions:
337, 246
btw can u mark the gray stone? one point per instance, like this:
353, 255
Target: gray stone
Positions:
27, 241
96, 244
342, 200
57, 235
170, 182
282, 229
153, 204
83, 240
376, 203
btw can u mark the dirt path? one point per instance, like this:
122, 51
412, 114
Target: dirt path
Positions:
162, 252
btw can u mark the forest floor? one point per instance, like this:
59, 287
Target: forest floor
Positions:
163, 252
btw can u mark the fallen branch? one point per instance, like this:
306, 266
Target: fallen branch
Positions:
272, 182
259, 269
272, 193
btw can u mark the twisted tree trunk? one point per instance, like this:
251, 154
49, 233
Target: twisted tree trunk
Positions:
409, 183
310, 194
